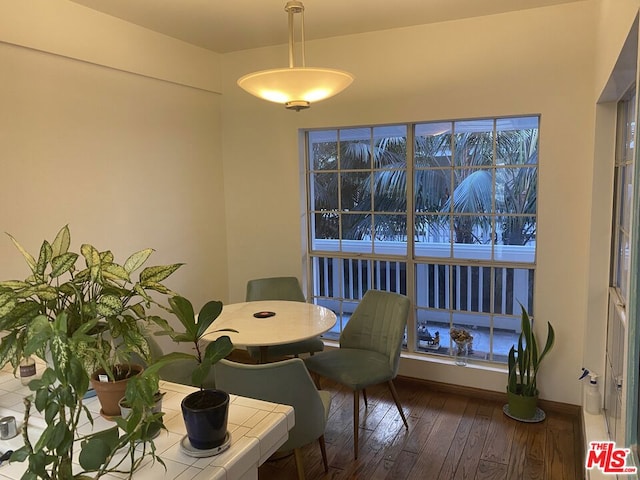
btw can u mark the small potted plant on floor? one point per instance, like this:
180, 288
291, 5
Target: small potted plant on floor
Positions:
205, 411
524, 362
78, 318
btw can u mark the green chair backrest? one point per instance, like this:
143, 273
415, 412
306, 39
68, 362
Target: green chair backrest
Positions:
287, 382
275, 288
378, 323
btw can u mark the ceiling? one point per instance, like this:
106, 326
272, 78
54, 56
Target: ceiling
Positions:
230, 25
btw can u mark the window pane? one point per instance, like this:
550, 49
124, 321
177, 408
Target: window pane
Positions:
432, 235
432, 189
432, 145
473, 143
355, 149
432, 286
512, 287
323, 150
390, 146
390, 191
327, 280
479, 327
390, 276
473, 191
516, 239
324, 188
325, 226
391, 234
626, 196
517, 190
473, 235
357, 278
517, 144
471, 288
432, 327
623, 264
355, 189
506, 331
357, 235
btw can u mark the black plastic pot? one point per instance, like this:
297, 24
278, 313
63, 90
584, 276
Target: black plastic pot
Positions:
205, 414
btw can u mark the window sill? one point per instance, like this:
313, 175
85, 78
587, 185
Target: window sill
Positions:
595, 429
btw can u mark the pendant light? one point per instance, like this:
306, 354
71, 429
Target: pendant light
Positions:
296, 87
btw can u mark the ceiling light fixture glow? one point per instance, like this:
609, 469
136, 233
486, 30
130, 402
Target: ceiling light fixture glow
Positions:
296, 87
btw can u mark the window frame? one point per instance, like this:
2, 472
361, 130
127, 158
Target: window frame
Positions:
409, 256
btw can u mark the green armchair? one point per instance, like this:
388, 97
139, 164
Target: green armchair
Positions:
369, 352
287, 382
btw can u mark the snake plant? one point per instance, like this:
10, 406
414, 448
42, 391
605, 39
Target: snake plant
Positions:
525, 359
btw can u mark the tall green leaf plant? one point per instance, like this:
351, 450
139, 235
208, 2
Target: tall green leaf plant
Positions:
524, 360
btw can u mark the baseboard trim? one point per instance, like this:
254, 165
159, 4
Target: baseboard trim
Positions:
547, 405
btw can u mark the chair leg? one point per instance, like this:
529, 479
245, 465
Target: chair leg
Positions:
323, 450
356, 422
299, 465
364, 395
394, 394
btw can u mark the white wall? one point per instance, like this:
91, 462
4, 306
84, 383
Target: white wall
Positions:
127, 160
535, 61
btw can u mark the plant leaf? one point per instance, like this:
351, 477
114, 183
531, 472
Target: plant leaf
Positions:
208, 313
218, 349
14, 284
183, 309
27, 256
137, 259
113, 271
94, 454
62, 263
62, 242
90, 254
158, 273
109, 305
43, 260
8, 302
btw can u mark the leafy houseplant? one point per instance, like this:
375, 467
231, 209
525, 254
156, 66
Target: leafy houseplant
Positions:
79, 318
524, 362
212, 403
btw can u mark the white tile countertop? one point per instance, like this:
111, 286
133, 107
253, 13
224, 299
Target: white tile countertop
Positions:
257, 430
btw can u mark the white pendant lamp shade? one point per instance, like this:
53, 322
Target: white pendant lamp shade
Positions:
298, 87
295, 87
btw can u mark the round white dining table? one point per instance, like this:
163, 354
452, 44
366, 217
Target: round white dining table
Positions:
271, 322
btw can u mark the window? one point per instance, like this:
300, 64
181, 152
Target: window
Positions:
619, 319
444, 212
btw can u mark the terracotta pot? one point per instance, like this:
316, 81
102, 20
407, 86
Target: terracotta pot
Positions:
110, 393
205, 414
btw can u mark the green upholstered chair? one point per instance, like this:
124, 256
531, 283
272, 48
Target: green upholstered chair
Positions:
287, 382
369, 351
281, 288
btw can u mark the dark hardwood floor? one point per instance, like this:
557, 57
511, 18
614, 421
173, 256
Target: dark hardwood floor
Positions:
453, 434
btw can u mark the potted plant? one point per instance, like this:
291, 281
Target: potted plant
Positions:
77, 319
524, 362
205, 411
